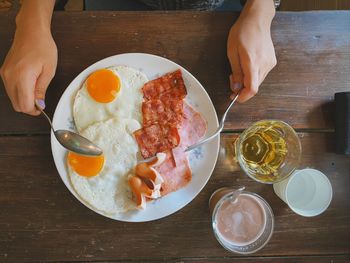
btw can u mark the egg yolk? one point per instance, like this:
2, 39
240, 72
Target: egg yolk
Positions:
103, 85
85, 165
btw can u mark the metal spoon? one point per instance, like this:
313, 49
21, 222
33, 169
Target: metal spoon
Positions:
71, 140
220, 128
236, 194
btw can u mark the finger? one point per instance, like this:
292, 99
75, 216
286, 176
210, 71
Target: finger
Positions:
41, 86
235, 85
42, 83
236, 78
14, 98
250, 82
268, 68
25, 93
10, 90
262, 76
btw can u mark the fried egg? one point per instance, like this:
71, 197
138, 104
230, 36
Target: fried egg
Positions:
85, 165
107, 189
108, 93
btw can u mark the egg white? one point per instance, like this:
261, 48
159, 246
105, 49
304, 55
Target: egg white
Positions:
127, 104
108, 192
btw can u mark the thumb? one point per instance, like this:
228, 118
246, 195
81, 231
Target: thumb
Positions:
251, 82
236, 78
41, 86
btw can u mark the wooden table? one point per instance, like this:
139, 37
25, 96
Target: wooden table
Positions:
41, 221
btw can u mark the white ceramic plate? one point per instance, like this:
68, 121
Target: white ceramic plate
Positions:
202, 160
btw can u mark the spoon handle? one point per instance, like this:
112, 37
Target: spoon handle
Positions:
42, 111
236, 193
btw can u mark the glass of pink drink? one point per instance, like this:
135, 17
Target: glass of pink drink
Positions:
242, 221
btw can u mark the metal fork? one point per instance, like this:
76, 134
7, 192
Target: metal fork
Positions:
220, 128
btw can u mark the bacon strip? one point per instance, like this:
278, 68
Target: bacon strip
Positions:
155, 138
169, 126
162, 113
193, 126
169, 86
175, 170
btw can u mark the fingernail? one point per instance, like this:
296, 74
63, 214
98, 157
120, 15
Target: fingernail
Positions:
41, 103
236, 86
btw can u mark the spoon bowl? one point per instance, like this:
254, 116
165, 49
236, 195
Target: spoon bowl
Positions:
72, 141
77, 143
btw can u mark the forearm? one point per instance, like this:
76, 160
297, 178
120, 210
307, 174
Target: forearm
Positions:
250, 48
35, 14
262, 11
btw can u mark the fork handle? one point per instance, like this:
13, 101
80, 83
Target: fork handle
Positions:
220, 128
228, 109
190, 148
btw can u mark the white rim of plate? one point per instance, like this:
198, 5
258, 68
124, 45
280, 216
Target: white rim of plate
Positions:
101, 62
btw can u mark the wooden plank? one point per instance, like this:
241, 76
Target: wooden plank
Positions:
5, 5
41, 221
308, 259
303, 5
313, 51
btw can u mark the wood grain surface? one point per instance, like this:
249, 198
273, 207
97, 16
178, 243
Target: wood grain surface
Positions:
41, 221
313, 52
303, 5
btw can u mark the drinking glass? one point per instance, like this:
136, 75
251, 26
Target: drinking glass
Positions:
236, 220
268, 151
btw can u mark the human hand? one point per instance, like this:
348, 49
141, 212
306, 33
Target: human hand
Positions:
250, 49
29, 67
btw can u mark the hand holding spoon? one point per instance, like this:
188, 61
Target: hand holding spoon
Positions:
71, 140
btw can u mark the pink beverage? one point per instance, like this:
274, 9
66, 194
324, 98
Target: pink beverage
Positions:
241, 221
